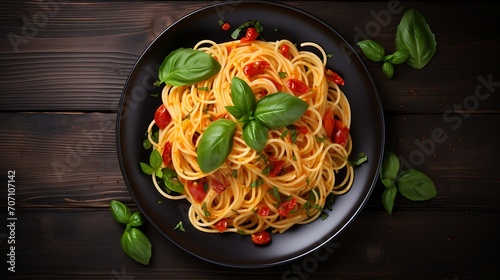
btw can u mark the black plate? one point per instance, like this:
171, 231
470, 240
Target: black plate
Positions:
137, 108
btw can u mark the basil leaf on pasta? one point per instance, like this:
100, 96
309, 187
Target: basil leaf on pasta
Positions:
255, 135
186, 66
279, 110
215, 144
242, 96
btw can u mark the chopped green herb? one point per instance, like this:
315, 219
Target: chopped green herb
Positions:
257, 182
179, 226
282, 74
359, 160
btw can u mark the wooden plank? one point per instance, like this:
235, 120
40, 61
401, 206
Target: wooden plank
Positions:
85, 68
409, 244
76, 165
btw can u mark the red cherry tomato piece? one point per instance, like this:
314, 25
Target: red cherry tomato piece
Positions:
287, 206
218, 185
263, 210
334, 77
297, 86
301, 129
261, 238
251, 35
226, 26
197, 189
162, 117
276, 167
340, 133
255, 67
167, 153
221, 225
329, 123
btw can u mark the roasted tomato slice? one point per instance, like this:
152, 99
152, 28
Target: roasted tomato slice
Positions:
276, 167
221, 225
285, 51
264, 210
329, 123
255, 67
297, 86
287, 206
334, 77
218, 185
251, 34
340, 133
162, 117
261, 238
167, 153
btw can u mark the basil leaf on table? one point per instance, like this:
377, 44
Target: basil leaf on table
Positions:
279, 110
415, 185
136, 245
388, 69
120, 211
186, 66
242, 96
414, 36
255, 135
389, 169
388, 197
372, 50
136, 219
215, 144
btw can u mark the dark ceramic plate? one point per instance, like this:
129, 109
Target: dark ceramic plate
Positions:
137, 108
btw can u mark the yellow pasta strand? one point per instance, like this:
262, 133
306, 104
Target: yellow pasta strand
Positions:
312, 169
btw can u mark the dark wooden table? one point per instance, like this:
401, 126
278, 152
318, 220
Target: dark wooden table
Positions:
63, 65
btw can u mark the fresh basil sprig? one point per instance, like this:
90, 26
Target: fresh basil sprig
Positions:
415, 37
186, 66
415, 44
274, 111
166, 174
411, 183
133, 241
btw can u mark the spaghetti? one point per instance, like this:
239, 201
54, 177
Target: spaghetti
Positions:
287, 183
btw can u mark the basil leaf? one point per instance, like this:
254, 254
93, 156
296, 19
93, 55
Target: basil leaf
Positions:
279, 110
186, 66
155, 160
146, 168
215, 144
120, 211
388, 69
136, 245
388, 197
242, 95
415, 185
415, 36
397, 57
136, 219
389, 168
255, 135
235, 111
372, 50
171, 182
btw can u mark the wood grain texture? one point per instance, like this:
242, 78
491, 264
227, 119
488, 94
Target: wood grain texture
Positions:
85, 68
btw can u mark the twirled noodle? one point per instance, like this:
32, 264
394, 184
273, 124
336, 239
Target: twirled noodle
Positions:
313, 168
